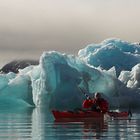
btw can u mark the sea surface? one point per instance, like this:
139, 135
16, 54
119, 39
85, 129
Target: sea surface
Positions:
39, 124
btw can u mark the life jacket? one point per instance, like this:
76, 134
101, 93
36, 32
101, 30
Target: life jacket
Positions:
102, 103
104, 106
87, 103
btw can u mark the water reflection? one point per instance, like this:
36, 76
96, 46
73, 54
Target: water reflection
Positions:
42, 120
39, 124
15, 124
81, 128
29, 123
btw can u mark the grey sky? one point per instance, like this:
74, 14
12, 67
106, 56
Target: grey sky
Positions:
29, 27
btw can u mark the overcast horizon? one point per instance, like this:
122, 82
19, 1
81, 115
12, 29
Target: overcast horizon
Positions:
29, 27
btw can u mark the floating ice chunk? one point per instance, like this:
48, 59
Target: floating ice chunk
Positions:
131, 78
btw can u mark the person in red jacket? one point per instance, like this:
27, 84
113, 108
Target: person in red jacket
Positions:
96, 104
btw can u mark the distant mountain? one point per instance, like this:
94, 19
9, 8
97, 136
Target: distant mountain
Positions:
15, 65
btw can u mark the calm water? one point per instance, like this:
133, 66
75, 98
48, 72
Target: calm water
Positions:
36, 124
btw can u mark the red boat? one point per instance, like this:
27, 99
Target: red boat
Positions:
86, 114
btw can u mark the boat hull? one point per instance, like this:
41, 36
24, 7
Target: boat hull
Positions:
85, 114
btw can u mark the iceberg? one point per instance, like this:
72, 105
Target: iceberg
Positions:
111, 67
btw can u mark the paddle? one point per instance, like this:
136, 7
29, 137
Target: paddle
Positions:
83, 91
129, 112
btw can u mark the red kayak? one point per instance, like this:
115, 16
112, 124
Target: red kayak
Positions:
86, 114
